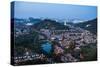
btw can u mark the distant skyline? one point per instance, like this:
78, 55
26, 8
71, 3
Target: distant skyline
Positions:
57, 11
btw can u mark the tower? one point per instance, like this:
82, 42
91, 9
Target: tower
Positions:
65, 23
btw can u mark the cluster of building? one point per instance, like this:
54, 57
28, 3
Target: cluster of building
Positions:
63, 37
80, 36
28, 57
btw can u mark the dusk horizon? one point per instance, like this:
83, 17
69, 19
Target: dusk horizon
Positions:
54, 11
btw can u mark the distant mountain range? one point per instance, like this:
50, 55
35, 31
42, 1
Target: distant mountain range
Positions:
49, 24
90, 25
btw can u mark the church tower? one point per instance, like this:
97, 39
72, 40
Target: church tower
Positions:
65, 23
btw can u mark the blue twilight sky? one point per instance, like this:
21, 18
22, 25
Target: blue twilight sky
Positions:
58, 11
